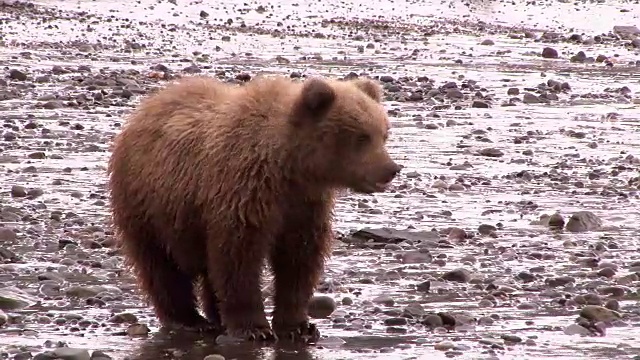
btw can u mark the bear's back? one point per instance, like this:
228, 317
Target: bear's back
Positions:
206, 106
200, 131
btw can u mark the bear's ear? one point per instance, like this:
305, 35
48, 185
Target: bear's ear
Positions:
314, 101
369, 87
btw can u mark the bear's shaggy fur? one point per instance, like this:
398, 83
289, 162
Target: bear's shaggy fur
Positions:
209, 180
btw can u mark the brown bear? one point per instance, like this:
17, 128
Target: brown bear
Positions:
208, 180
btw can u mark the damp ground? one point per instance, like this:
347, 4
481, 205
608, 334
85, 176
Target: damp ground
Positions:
510, 233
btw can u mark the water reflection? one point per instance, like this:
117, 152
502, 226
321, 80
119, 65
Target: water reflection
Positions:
189, 346
192, 346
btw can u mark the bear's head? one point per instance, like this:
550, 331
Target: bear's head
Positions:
342, 128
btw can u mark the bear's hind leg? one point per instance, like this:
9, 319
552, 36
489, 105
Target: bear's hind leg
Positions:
297, 261
210, 302
170, 290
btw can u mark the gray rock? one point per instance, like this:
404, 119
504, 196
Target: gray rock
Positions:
454, 94
626, 31
8, 256
58, 70
45, 356
432, 321
549, 53
424, 286
123, 318
480, 104
192, 69
385, 300
526, 277
457, 234
67, 353
347, 301
396, 321
612, 304
15, 74
12, 298
511, 338
556, 221
84, 291
385, 236
52, 105
18, 191
99, 355
414, 309
597, 313
7, 235
606, 272
457, 275
588, 299
583, 221
491, 152
486, 229
613, 291
560, 281
529, 98
26, 355
416, 257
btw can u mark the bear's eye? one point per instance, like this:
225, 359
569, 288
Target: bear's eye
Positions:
363, 139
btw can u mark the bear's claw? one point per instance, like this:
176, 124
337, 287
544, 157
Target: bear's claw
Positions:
200, 327
255, 334
305, 331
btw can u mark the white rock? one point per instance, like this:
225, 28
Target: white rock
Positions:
138, 330
575, 329
331, 341
444, 346
214, 357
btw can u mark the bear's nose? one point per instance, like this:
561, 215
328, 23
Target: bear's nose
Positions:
391, 171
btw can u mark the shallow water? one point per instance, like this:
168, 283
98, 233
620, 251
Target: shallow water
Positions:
493, 194
582, 16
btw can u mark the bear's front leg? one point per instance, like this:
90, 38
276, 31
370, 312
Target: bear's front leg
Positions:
297, 260
234, 270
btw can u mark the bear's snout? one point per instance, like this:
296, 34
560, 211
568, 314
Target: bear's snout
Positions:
389, 172
380, 178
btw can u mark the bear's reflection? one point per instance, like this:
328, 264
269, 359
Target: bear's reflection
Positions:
190, 346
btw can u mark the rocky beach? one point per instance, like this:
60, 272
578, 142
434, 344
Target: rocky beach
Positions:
511, 233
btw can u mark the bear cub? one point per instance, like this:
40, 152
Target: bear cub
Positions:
210, 181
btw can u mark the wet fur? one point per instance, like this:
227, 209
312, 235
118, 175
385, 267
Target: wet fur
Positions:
209, 180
